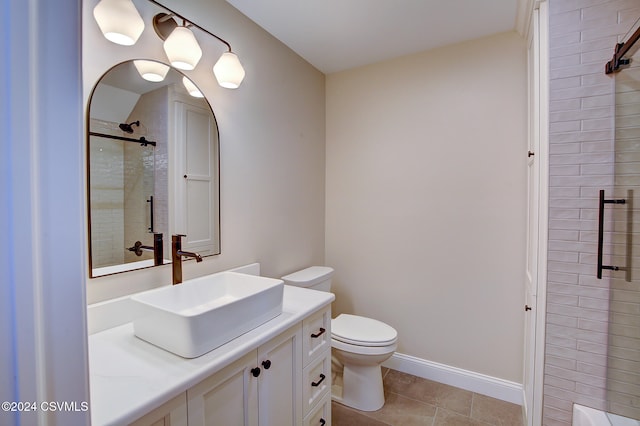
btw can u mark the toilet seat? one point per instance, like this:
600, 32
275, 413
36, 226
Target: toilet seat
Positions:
362, 331
364, 350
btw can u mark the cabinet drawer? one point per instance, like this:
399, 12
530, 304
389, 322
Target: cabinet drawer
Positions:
321, 414
316, 338
316, 381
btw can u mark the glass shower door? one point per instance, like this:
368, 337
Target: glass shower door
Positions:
623, 220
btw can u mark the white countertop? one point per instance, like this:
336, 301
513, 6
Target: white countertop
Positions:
130, 377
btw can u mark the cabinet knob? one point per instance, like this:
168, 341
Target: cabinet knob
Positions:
266, 364
255, 371
527, 307
323, 422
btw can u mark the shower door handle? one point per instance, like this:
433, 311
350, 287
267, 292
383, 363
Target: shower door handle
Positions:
604, 201
150, 201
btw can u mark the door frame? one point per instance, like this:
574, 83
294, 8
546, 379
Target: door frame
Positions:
538, 26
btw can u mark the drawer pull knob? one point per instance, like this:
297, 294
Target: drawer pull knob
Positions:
322, 377
266, 364
255, 371
323, 422
320, 333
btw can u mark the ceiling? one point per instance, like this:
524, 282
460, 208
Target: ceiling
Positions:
335, 35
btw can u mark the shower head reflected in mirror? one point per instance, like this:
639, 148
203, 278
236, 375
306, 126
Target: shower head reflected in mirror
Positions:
127, 127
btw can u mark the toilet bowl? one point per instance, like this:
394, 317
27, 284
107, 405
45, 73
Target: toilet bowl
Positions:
359, 344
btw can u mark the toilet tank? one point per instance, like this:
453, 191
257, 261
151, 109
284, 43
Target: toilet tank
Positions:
314, 277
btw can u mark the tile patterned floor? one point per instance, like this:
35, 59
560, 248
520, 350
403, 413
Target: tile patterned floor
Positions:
411, 400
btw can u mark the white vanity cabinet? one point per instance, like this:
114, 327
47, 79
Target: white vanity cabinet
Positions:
278, 374
286, 381
262, 388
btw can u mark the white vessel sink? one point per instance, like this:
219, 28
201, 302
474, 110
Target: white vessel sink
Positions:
197, 316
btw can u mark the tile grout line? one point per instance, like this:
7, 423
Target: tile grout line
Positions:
473, 397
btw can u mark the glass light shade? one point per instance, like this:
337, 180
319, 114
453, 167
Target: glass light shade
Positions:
119, 21
228, 71
182, 49
191, 88
151, 70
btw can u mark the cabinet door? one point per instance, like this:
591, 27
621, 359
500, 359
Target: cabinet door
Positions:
279, 387
172, 413
229, 397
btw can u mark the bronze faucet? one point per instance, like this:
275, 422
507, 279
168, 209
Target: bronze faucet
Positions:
158, 257
176, 257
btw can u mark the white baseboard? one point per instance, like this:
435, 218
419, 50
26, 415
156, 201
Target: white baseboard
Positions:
480, 383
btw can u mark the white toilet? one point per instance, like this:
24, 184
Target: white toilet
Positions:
360, 344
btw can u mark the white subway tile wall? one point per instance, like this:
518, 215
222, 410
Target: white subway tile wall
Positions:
107, 197
582, 35
124, 176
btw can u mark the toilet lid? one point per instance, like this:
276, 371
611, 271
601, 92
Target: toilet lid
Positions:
362, 331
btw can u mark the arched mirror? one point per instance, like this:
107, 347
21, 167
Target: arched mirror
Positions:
153, 168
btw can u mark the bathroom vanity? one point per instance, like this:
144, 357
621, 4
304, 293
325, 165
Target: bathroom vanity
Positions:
279, 373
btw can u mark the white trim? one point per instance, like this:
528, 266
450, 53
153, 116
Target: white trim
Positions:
494, 387
524, 11
543, 215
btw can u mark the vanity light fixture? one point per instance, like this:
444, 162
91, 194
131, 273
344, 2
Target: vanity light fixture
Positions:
191, 88
151, 70
119, 21
228, 69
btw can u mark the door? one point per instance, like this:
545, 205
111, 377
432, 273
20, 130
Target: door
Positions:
537, 218
279, 387
229, 397
533, 191
196, 181
622, 246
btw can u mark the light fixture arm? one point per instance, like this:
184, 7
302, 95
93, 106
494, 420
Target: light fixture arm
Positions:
172, 13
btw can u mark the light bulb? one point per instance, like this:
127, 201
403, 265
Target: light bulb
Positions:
151, 70
182, 49
228, 71
191, 88
119, 21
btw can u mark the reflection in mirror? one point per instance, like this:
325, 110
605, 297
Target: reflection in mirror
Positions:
146, 123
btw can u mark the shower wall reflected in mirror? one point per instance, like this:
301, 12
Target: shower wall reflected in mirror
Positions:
126, 203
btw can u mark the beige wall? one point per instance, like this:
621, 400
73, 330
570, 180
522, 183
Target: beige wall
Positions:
272, 135
425, 170
426, 204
